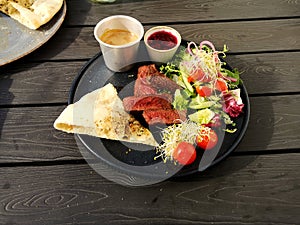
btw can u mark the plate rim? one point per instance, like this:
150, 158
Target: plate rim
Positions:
58, 24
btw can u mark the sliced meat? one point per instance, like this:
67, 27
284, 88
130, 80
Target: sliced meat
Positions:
164, 116
133, 103
153, 85
153, 94
141, 88
163, 83
148, 70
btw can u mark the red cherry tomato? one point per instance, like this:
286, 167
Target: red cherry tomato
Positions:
204, 91
221, 85
207, 139
184, 153
198, 75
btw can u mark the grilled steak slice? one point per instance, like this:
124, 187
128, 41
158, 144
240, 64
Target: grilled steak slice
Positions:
148, 70
133, 103
154, 84
141, 88
153, 94
163, 83
164, 116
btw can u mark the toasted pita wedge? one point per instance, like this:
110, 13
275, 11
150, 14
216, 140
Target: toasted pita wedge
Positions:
31, 13
101, 114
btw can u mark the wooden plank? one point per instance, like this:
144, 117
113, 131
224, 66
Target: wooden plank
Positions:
84, 12
240, 37
27, 134
241, 190
67, 44
268, 73
274, 125
31, 83
274, 122
247, 36
50, 82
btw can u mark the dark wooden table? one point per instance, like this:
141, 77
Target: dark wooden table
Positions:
45, 180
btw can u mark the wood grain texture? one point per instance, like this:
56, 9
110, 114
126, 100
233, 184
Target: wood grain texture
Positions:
87, 13
240, 37
241, 190
33, 83
270, 73
27, 134
50, 82
274, 125
68, 44
246, 36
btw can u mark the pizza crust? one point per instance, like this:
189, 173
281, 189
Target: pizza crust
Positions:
101, 114
32, 14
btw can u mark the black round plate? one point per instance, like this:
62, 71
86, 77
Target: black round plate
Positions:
95, 75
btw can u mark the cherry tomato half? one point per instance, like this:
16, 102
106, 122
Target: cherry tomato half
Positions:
204, 91
207, 139
221, 85
184, 153
198, 75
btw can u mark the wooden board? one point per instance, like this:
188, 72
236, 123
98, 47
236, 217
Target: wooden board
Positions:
240, 37
35, 139
34, 83
245, 188
87, 13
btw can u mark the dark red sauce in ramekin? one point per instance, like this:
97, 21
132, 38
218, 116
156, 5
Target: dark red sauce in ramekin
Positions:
162, 40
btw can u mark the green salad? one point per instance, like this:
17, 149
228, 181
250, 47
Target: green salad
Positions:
209, 92
207, 85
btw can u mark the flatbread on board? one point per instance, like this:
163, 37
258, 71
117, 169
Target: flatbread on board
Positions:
101, 114
31, 13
